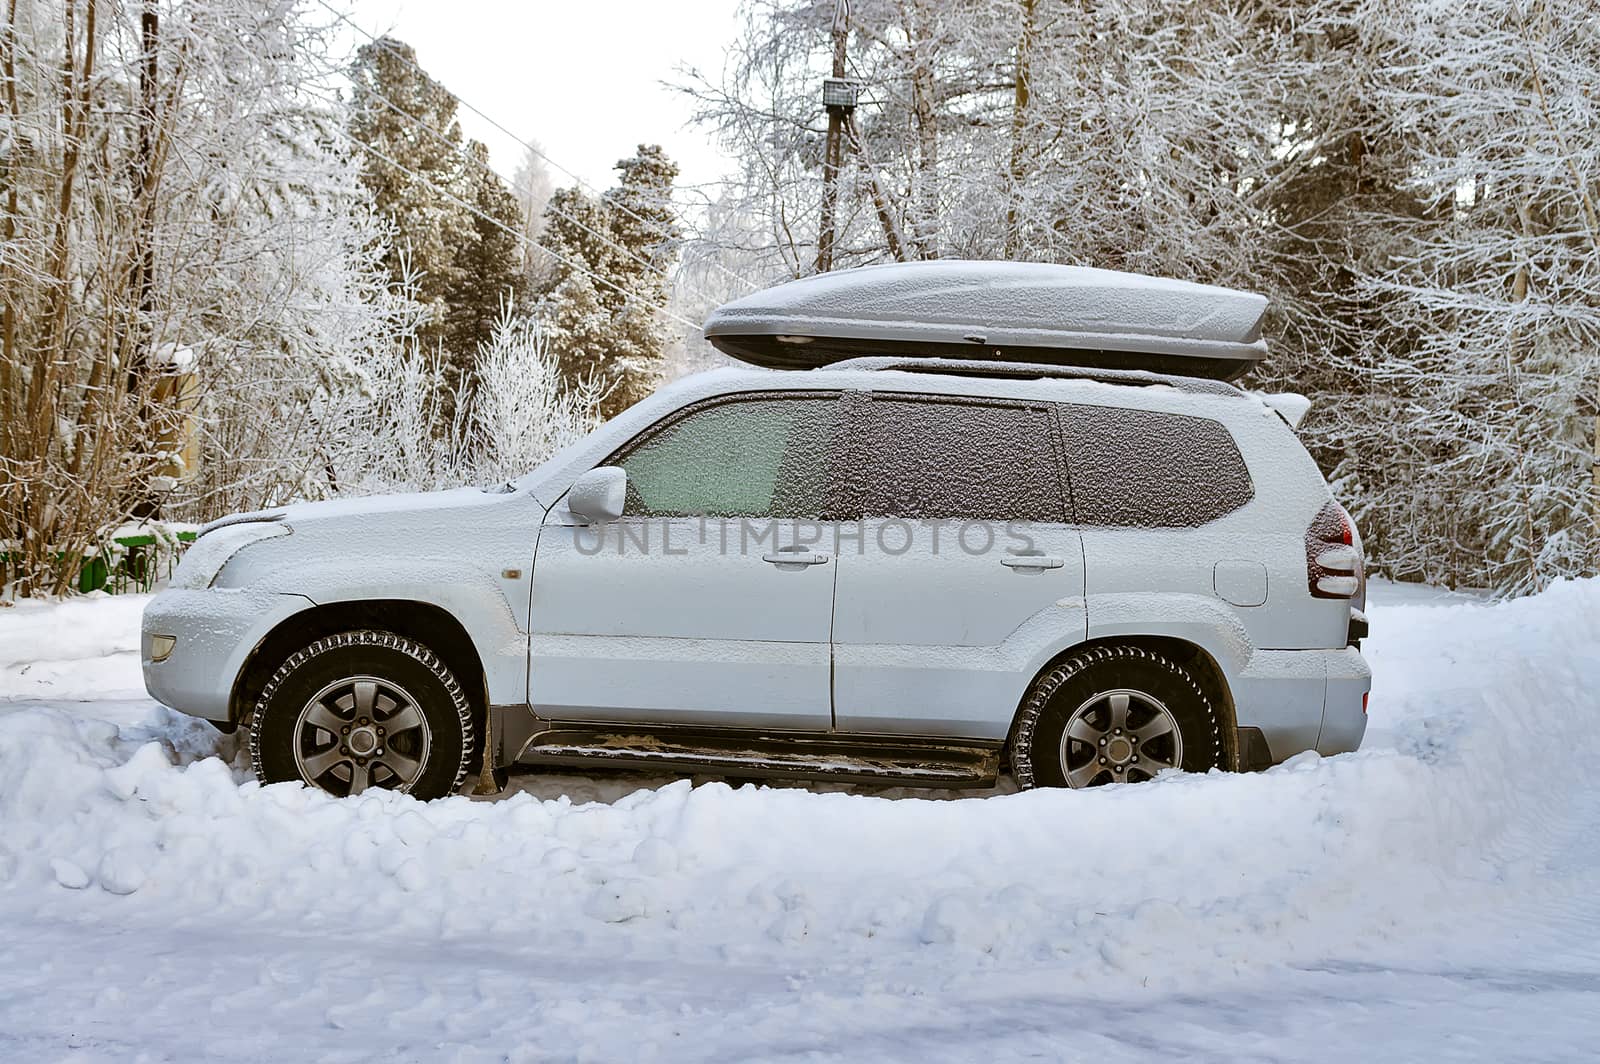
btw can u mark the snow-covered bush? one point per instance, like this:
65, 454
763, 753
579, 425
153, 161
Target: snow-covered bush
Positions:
523, 411
403, 431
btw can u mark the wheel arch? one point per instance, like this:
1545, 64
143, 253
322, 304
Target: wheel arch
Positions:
1191, 655
431, 625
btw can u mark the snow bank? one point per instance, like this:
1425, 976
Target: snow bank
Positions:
1483, 725
80, 649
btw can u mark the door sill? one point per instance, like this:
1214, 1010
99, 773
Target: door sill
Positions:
929, 763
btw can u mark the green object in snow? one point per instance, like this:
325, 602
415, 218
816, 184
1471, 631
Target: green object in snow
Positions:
134, 563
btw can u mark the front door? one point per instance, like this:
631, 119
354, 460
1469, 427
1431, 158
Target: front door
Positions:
706, 603
964, 565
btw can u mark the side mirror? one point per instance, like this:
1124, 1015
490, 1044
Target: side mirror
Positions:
599, 494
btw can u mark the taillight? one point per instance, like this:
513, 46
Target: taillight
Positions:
1333, 563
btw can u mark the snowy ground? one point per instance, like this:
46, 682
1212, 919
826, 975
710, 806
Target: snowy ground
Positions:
1435, 897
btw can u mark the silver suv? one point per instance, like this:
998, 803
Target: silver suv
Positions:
925, 571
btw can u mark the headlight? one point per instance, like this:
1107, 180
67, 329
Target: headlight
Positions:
205, 558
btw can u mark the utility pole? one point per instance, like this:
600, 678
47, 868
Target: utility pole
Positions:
840, 95
834, 153
1019, 125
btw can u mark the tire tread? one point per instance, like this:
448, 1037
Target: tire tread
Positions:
1039, 695
368, 637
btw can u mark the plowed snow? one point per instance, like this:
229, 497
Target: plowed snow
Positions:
1432, 897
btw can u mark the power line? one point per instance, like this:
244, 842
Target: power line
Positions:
465, 154
471, 209
383, 43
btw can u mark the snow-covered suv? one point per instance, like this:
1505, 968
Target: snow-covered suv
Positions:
889, 568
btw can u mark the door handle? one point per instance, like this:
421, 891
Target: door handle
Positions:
1031, 561
795, 556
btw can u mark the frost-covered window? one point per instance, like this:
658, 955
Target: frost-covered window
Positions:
927, 459
1148, 469
757, 457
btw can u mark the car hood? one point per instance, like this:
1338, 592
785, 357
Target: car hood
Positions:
333, 549
402, 509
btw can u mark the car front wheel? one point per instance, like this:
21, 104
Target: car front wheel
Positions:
361, 710
1114, 714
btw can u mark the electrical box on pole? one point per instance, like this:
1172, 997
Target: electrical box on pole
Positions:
842, 93
839, 95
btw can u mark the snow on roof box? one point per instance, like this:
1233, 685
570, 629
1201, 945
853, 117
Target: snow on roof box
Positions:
1012, 311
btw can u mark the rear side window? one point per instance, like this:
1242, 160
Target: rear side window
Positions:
756, 457
1149, 469
930, 459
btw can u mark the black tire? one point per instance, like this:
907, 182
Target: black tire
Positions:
1082, 685
436, 752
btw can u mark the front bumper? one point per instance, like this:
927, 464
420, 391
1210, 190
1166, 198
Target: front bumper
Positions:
215, 629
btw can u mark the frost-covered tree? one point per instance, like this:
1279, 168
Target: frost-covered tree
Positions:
409, 120
1487, 344
1411, 183
1128, 135
533, 186
608, 287
1436, 271
488, 259
189, 265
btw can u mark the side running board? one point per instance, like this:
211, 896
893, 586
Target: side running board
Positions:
766, 756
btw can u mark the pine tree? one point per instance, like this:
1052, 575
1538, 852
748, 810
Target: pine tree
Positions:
487, 263
608, 287
423, 140
644, 224
454, 219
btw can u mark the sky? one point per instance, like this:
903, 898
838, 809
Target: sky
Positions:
583, 79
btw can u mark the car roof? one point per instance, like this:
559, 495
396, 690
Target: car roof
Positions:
1126, 388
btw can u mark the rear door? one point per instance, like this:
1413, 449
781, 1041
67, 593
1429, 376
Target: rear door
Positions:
955, 562
697, 606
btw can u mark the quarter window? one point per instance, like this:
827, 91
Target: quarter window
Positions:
758, 457
930, 459
1150, 469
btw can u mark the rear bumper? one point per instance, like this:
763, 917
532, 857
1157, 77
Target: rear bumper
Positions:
216, 630
1304, 700
1344, 710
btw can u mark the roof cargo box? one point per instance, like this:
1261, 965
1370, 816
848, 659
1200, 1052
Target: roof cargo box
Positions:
1007, 311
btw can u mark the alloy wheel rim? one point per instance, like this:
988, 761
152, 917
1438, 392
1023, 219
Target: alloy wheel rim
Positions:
361, 732
1119, 736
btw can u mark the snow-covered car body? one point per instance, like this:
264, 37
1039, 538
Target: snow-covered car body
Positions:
680, 624
880, 568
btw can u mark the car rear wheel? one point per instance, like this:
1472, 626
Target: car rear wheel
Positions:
362, 710
1114, 714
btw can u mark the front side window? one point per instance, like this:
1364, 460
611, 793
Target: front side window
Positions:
1151, 469
758, 457
933, 459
